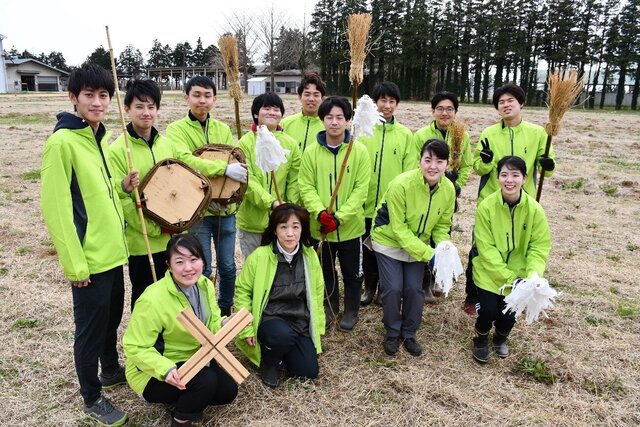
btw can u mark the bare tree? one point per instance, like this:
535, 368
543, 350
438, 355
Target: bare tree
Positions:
242, 26
268, 30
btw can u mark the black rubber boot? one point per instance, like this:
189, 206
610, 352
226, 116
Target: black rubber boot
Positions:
500, 344
351, 308
370, 288
481, 347
269, 374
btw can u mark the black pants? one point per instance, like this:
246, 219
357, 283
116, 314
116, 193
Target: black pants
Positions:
97, 311
369, 262
278, 341
211, 386
470, 287
349, 254
490, 313
140, 273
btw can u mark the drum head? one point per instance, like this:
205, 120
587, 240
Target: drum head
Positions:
224, 189
174, 195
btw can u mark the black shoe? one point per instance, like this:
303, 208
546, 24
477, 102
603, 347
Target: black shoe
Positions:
413, 347
225, 311
349, 320
481, 349
112, 380
500, 346
367, 296
269, 375
105, 413
391, 345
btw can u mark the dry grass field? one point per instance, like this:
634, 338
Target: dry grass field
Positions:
579, 367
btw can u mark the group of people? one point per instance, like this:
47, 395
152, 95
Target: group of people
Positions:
380, 213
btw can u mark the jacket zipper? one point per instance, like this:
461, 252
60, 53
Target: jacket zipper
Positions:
306, 134
513, 237
380, 166
511, 138
335, 176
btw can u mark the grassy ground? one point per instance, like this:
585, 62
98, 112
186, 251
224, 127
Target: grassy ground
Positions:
580, 367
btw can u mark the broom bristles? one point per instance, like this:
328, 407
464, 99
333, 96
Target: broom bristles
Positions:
456, 130
563, 90
229, 51
358, 26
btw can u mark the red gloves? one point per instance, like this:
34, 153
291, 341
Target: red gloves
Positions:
328, 222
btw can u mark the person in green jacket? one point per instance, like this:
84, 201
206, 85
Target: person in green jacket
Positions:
141, 103
193, 131
281, 285
84, 217
342, 229
305, 125
156, 344
391, 152
513, 241
415, 211
511, 136
253, 214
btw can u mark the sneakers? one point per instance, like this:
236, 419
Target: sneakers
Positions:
412, 347
105, 413
480, 349
500, 346
269, 375
112, 380
391, 345
470, 309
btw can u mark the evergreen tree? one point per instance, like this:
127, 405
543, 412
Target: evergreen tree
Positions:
101, 57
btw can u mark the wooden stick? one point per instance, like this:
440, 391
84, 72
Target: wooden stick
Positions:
213, 346
275, 186
542, 170
236, 108
125, 134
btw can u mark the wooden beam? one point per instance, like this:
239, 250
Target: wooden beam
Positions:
214, 346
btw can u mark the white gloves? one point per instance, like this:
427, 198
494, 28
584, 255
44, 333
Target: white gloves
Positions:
237, 171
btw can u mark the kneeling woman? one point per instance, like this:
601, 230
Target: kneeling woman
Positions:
416, 210
513, 240
281, 285
155, 343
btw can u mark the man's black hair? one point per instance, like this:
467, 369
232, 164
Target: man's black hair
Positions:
144, 89
512, 89
335, 101
388, 89
311, 79
202, 81
441, 96
90, 76
268, 99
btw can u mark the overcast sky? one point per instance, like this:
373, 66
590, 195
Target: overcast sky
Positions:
76, 28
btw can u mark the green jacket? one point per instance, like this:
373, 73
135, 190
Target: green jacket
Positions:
319, 170
303, 129
79, 204
391, 153
253, 214
188, 135
253, 287
144, 157
155, 341
466, 161
512, 243
525, 140
410, 215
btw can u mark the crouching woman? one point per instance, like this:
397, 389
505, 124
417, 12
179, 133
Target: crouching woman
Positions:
281, 285
156, 344
513, 240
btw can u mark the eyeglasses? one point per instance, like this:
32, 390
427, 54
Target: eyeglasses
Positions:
447, 109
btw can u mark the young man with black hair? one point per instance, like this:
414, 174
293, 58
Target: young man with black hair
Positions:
342, 229
85, 220
191, 132
253, 215
305, 125
391, 152
511, 136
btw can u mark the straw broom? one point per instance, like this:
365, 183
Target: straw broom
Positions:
563, 90
358, 26
229, 51
143, 225
456, 131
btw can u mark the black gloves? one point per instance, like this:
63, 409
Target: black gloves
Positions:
547, 163
486, 154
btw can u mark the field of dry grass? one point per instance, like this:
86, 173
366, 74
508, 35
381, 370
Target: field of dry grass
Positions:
580, 367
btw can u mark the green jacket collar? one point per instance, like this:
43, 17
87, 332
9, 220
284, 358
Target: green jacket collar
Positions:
134, 135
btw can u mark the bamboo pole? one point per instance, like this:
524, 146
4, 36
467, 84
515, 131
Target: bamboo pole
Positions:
143, 225
275, 186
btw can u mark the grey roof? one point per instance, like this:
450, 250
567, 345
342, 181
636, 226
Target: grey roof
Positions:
19, 61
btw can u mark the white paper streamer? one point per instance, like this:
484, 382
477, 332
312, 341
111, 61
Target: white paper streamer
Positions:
533, 295
365, 117
269, 153
447, 267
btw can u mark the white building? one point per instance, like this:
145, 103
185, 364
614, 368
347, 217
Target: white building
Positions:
31, 75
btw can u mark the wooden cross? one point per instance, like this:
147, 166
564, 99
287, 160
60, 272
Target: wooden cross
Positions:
214, 346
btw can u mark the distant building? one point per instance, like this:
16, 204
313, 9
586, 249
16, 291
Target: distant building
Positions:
31, 75
286, 81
